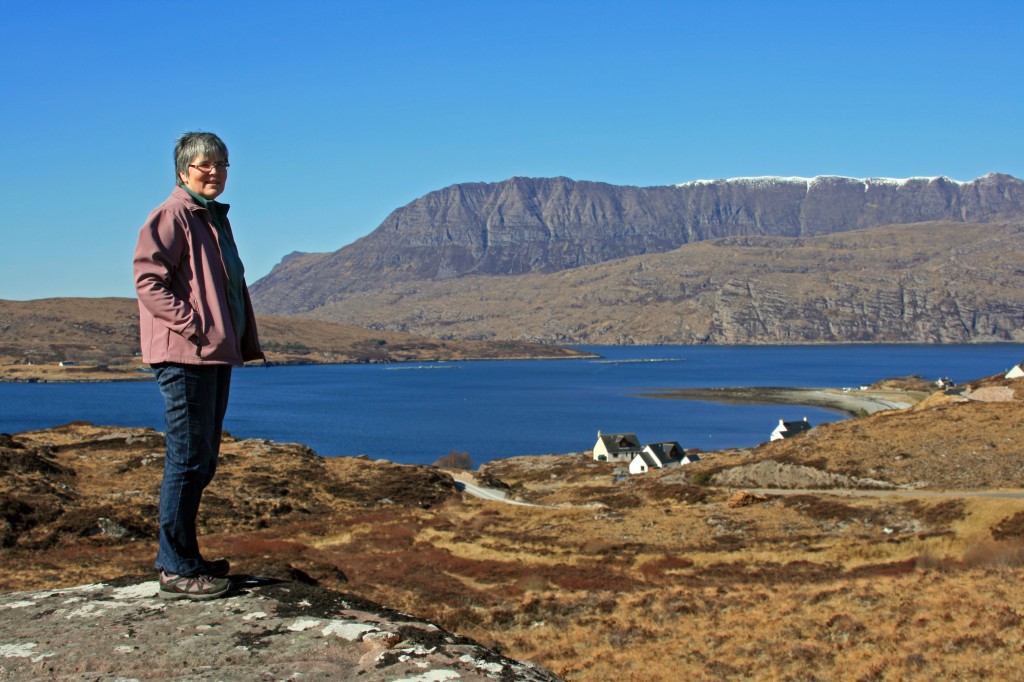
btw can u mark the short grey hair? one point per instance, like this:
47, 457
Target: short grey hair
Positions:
191, 145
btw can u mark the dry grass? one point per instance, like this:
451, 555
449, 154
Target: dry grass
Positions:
859, 608
917, 626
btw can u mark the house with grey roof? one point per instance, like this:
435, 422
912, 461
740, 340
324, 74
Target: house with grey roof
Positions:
616, 447
665, 452
789, 429
626, 448
660, 456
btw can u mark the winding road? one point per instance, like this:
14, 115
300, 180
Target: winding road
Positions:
483, 493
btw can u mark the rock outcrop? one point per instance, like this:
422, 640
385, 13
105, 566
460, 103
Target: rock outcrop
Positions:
265, 629
770, 474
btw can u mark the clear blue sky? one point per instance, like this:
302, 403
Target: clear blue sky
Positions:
336, 113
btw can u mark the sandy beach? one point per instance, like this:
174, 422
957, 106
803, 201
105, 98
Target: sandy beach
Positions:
850, 401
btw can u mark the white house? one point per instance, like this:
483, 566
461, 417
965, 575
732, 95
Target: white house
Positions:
625, 447
659, 456
616, 447
665, 452
789, 429
1015, 372
643, 462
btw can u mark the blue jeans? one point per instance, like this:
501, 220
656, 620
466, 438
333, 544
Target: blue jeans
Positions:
195, 400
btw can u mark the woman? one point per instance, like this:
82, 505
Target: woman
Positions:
195, 322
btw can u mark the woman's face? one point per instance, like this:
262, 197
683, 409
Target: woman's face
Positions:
207, 184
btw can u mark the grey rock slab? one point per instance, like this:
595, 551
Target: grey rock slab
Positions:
263, 630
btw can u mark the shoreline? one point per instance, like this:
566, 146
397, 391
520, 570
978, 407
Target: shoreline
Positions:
853, 402
85, 374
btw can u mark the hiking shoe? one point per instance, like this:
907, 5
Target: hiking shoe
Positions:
196, 587
218, 568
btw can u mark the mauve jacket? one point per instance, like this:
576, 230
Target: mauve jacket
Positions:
184, 316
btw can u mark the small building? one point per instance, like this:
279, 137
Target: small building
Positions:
789, 429
643, 462
665, 452
1015, 372
625, 447
616, 447
660, 456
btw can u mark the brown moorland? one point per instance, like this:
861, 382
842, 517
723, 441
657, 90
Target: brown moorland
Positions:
100, 336
664, 576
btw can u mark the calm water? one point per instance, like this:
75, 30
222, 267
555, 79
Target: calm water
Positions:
418, 413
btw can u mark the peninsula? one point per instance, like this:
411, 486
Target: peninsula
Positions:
855, 402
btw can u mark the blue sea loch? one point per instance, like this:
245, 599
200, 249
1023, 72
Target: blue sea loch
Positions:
418, 413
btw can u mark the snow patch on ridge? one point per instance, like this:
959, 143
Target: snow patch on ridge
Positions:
918, 178
774, 180
759, 181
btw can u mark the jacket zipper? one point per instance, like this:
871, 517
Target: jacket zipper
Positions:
199, 327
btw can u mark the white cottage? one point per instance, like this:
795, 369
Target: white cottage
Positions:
660, 456
616, 447
789, 429
665, 452
643, 462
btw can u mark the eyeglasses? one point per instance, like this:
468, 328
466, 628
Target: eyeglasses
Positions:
208, 167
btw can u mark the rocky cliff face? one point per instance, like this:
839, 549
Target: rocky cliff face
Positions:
526, 226
546, 225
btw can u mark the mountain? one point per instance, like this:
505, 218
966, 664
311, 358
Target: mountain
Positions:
447, 246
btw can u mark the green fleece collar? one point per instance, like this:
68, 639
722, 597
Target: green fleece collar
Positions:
206, 203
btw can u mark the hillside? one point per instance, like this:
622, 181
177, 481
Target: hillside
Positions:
464, 261
104, 333
938, 282
921, 581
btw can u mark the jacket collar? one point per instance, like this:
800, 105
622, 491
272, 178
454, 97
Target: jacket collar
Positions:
194, 202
